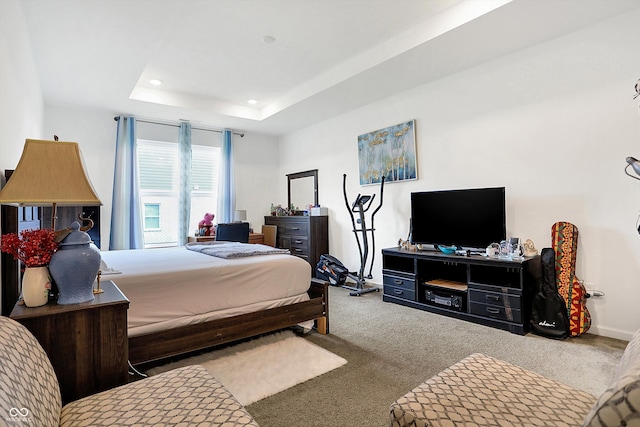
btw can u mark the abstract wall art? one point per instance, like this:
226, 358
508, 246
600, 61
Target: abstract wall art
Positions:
388, 152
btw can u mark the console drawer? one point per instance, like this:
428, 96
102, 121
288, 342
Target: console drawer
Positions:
495, 298
398, 281
496, 312
400, 292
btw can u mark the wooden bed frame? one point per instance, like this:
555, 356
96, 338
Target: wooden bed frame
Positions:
185, 339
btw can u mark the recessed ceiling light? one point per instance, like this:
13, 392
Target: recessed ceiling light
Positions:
268, 39
252, 101
155, 82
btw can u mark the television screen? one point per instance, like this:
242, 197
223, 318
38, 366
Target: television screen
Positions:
469, 218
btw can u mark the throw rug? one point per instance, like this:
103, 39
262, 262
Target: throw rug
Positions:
264, 366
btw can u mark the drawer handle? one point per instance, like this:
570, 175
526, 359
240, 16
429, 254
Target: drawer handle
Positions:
493, 310
398, 292
397, 282
493, 297
297, 250
295, 228
297, 241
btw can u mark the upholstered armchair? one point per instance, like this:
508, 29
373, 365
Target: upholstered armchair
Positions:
30, 394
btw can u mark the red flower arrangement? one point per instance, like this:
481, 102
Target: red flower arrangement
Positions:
33, 247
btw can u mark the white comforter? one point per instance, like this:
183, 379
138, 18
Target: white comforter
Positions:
170, 287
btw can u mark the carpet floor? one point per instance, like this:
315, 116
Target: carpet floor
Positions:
391, 349
264, 366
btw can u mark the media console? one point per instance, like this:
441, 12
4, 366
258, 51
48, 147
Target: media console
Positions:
489, 291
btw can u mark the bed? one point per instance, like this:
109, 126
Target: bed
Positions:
182, 300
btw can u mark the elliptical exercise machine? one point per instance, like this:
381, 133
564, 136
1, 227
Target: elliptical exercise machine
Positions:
361, 204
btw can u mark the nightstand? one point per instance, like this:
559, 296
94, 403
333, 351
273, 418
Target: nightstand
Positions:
253, 238
201, 238
87, 343
256, 238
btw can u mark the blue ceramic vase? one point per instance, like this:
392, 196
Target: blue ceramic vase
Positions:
74, 267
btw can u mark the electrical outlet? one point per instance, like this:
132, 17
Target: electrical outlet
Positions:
595, 293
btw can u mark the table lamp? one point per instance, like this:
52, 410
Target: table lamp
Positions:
239, 216
50, 173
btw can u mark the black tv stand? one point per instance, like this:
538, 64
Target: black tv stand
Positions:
486, 290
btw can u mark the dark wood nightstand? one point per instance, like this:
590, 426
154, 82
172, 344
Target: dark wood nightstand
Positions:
87, 343
253, 238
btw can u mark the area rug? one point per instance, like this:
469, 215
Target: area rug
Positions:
264, 366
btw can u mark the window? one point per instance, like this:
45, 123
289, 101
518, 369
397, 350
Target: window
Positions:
204, 183
151, 217
159, 169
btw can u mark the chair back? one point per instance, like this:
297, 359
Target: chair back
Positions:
269, 232
29, 389
233, 232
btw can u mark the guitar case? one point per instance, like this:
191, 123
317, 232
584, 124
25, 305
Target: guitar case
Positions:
549, 316
564, 237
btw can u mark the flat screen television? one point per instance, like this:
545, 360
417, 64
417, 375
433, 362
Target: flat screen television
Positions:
467, 218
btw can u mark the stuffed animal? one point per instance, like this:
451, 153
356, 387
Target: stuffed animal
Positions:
206, 225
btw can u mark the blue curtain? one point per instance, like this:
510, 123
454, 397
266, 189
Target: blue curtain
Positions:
185, 182
227, 195
126, 218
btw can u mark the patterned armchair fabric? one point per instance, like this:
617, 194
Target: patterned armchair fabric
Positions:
187, 397
619, 405
30, 394
29, 390
481, 391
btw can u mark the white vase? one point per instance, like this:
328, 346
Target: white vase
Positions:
36, 284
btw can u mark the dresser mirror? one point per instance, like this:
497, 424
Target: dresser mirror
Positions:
302, 189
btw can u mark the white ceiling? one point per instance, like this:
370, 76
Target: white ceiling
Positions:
329, 56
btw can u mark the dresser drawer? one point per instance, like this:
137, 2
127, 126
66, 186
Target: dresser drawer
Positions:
305, 236
298, 251
296, 228
400, 292
408, 282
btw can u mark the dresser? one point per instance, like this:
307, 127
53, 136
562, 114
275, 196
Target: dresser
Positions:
305, 236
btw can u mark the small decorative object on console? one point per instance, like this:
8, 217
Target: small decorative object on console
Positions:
529, 248
406, 245
493, 249
447, 249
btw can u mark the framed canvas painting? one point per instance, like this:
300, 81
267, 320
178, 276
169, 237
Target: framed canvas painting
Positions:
388, 152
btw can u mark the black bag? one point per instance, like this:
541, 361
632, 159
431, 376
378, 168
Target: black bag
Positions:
331, 270
549, 316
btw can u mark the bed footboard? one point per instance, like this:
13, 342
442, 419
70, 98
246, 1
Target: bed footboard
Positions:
185, 339
320, 290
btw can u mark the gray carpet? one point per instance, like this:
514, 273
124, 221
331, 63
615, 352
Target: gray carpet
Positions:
391, 349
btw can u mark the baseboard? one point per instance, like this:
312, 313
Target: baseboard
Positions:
611, 333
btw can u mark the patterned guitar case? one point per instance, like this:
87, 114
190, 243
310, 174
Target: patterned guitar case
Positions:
564, 238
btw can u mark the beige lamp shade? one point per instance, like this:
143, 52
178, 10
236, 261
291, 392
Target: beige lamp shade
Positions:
240, 215
49, 173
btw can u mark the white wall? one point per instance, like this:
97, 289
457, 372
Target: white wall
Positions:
553, 124
21, 104
95, 132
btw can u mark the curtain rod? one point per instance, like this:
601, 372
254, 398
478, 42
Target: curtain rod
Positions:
241, 135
